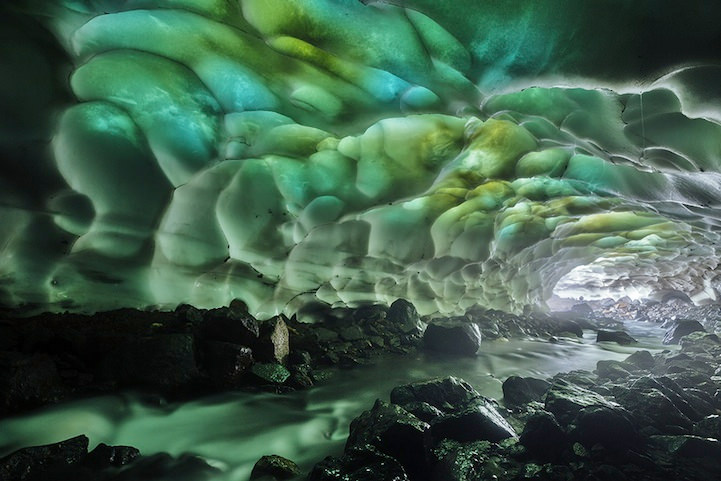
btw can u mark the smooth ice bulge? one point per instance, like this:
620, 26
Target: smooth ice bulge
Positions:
345, 152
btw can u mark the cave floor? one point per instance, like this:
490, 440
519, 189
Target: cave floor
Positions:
231, 431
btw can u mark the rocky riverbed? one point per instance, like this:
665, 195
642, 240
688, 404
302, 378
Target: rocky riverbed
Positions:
650, 416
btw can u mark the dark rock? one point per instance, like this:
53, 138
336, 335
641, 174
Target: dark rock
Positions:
655, 412
301, 376
103, 456
689, 446
27, 380
299, 357
565, 399
274, 467
403, 316
619, 337
226, 363
582, 309
163, 466
562, 326
518, 391
274, 342
543, 436
359, 464
165, 361
462, 461
609, 427
680, 329
462, 339
227, 325
423, 411
480, 422
393, 431
641, 360
708, 427
447, 394
612, 370
270, 372
678, 396
30, 463
188, 313
351, 333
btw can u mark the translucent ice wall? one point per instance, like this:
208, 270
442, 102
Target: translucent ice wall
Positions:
285, 152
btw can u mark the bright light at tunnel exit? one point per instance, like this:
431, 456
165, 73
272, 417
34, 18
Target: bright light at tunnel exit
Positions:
591, 282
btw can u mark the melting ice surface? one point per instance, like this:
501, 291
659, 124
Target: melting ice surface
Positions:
232, 431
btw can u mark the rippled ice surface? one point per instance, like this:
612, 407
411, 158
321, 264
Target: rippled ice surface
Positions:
233, 430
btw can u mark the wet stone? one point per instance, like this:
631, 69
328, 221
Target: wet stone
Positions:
543, 436
446, 394
460, 461
226, 363
104, 455
565, 400
612, 370
518, 391
682, 328
641, 360
423, 411
393, 431
359, 464
708, 427
655, 412
403, 316
274, 467
273, 344
619, 337
30, 463
455, 338
351, 333
270, 372
609, 427
480, 422
224, 324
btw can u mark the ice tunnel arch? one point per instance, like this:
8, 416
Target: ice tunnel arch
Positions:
203, 151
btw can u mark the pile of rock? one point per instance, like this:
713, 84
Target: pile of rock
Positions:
70, 459
52, 357
650, 417
421, 434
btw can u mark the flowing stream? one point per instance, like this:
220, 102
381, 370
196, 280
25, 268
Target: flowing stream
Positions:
232, 431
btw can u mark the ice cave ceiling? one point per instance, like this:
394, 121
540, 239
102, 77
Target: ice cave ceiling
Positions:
292, 152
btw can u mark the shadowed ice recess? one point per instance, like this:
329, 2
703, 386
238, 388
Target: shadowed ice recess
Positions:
232, 431
288, 152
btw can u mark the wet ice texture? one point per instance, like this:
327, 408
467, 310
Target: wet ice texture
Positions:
287, 152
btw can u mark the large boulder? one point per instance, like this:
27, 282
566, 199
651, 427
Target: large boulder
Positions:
273, 343
518, 391
274, 467
457, 338
609, 427
403, 316
27, 380
359, 464
480, 422
655, 412
447, 394
619, 337
543, 436
394, 432
30, 463
230, 325
682, 328
565, 400
226, 363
